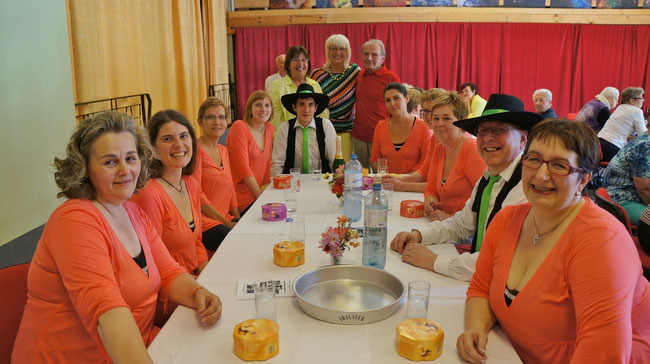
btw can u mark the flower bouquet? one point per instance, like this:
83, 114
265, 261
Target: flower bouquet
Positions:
337, 183
338, 239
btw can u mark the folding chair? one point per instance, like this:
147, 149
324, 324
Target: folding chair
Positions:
13, 281
605, 202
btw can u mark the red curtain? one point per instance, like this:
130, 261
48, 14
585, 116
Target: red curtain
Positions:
613, 55
575, 62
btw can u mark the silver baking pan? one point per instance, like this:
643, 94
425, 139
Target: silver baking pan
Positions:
348, 294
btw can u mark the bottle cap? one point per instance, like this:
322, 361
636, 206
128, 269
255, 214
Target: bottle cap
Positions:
353, 156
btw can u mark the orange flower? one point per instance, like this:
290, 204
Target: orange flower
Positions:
342, 220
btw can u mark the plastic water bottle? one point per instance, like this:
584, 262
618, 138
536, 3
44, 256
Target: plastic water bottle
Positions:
375, 228
352, 188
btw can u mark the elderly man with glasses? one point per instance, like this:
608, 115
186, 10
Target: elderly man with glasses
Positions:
501, 132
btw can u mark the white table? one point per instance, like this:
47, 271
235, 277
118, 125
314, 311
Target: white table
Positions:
247, 254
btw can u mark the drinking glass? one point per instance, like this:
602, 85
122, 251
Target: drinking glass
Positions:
418, 299
291, 199
295, 178
387, 189
265, 300
315, 168
297, 229
382, 166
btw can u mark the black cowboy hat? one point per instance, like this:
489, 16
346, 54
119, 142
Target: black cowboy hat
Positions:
305, 91
504, 108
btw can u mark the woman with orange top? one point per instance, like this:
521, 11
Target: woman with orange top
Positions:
250, 144
417, 181
455, 163
213, 172
403, 139
560, 275
100, 264
172, 198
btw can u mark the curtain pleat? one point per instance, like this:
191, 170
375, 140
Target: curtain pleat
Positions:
575, 62
125, 47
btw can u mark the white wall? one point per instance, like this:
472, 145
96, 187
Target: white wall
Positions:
36, 110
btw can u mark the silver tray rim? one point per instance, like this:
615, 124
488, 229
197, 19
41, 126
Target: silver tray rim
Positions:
383, 311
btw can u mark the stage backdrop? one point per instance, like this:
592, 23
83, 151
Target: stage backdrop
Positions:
575, 62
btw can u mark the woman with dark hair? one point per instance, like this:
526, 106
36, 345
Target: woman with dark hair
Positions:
213, 172
172, 198
560, 275
100, 264
298, 67
474, 102
624, 122
403, 139
250, 144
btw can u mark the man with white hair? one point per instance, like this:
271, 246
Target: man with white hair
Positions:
279, 65
370, 106
596, 112
542, 99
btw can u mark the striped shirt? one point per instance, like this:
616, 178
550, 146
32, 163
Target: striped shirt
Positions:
341, 88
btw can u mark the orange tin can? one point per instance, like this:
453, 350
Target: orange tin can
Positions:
411, 208
282, 181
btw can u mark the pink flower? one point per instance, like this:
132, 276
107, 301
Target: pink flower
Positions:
329, 240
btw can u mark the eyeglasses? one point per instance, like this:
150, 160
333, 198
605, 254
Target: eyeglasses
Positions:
638, 98
214, 117
424, 112
497, 130
300, 60
556, 167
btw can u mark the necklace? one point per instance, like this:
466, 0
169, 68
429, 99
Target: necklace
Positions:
180, 190
335, 76
537, 239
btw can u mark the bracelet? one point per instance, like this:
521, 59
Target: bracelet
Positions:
196, 289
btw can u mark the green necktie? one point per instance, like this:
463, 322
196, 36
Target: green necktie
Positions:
483, 210
305, 150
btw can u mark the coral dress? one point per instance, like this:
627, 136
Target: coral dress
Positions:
79, 271
588, 301
248, 160
184, 245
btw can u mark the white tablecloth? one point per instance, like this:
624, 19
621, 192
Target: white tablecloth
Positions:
247, 254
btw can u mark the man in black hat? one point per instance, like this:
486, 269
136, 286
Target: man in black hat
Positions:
501, 132
305, 139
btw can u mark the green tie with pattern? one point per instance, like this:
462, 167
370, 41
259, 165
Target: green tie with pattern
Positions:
305, 150
483, 210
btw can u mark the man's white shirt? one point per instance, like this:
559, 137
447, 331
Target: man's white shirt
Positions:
462, 225
280, 145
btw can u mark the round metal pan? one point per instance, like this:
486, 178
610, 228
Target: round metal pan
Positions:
348, 294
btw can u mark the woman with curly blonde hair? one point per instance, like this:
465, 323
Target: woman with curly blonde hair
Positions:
100, 265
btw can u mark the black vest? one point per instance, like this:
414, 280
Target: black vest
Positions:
505, 190
291, 146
